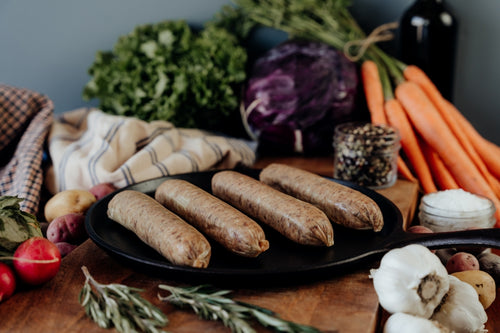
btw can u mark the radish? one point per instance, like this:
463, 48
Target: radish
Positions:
7, 282
36, 260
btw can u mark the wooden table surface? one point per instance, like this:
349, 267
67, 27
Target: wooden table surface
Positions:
342, 303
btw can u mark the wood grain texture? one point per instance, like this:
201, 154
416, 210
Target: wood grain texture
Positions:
342, 303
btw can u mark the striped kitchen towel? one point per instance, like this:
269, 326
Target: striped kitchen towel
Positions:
88, 147
25, 120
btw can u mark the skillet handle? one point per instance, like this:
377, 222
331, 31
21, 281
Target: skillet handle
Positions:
439, 240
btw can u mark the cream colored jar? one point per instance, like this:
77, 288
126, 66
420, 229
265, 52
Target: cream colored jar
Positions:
456, 209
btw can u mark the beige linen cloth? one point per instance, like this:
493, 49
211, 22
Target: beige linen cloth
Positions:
88, 147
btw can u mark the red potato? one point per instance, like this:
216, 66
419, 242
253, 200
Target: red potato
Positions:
462, 261
7, 282
419, 229
65, 248
68, 228
36, 260
102, 189
445, 254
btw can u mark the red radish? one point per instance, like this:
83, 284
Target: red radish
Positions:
36, 260
7, 282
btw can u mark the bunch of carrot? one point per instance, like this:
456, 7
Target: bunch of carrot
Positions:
441, 149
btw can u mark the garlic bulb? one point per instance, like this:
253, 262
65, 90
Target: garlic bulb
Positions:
411, 280
403, 322
461, 310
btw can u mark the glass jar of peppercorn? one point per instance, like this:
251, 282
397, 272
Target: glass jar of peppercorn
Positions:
366, 154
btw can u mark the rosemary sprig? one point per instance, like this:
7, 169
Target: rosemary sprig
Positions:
212, 304
119, 306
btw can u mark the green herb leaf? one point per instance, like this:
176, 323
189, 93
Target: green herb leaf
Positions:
169, 71
119, 306
16, 226
209, 303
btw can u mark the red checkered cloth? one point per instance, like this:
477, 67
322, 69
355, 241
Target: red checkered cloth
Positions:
25, 120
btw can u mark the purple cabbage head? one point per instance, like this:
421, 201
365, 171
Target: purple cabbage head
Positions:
297, 93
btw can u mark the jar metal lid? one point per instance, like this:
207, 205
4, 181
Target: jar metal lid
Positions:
367, 134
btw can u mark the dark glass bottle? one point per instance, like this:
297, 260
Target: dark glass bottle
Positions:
428, 33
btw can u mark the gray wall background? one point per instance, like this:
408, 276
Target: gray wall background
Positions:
47, 46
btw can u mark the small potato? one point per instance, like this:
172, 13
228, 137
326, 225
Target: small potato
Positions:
490, 263
482, 282
67, 228
65, 248
68, 201
445, 254
102, 189
462, 261
419, 229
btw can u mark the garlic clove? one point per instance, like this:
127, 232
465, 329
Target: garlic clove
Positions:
410, 279
403, 322
461, 311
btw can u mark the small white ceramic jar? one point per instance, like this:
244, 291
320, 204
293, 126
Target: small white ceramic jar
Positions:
456, 209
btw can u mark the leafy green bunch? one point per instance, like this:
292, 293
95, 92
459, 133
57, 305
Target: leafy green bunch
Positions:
171, 71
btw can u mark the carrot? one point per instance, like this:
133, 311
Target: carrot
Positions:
374, 93
442, 176
489, 152
434, 130
473, 153
450, 115
405, 171
398, 118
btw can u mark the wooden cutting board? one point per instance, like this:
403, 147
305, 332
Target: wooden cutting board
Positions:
342, 303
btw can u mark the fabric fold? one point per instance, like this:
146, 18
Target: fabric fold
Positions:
88, 147
25, 120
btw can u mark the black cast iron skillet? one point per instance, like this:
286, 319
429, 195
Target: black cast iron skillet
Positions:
285, 262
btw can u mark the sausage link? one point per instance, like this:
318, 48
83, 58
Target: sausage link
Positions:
161, 229
342, 204
215, 218
297, 220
